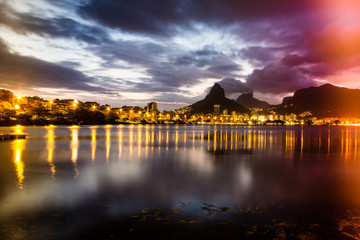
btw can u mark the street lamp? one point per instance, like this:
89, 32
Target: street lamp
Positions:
17, 107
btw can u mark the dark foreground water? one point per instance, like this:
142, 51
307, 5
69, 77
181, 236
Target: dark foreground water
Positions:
180, 182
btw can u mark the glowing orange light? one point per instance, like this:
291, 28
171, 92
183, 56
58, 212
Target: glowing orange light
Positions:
17, 107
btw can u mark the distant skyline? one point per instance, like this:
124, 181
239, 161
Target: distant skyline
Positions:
172, 52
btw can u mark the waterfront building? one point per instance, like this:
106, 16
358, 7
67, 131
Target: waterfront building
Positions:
152, 107
216, 109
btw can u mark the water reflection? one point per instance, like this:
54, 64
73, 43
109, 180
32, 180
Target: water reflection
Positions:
93, 142
74, 146
50, 148
232, 164
108, 141
18, 147
120, 141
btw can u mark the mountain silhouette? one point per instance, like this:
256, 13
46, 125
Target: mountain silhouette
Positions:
247, 100
323, 101
216, 96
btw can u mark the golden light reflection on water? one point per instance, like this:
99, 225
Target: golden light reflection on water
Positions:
134, 143
131, 136
139, 142
93, 142
50, 148
18, 147
74, 146
18, 129
120, 133
108, 141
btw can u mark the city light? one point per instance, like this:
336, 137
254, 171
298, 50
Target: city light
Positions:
137, 115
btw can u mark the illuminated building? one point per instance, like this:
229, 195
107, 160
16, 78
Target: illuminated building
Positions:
152, 107
216, 109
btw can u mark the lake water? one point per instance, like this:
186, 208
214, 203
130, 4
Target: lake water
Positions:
67, 182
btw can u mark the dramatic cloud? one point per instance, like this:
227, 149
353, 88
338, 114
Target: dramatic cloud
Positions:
164, 16
22, 72
61, 27
278, 79
231, 86
171, 50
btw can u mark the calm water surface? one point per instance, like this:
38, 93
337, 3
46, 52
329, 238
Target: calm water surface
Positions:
85, 176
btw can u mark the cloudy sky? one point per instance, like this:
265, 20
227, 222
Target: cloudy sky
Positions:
172, 51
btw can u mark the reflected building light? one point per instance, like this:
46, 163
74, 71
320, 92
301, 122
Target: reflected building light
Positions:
147, 142
265, 140
221, 140
93, 143
152, 140
347, 144
18, 129
74, 145
301, 143
271, 140
355, 144
108, 142
18, 146
245, 139
290, 143
215, 143
193, 141
139, 143
236, 140
250, 140
289, 140
167, 140
131, 136
226, 142
176, 140
202, 139
185, 138
160, 140
120, 142
208, 142
51, 147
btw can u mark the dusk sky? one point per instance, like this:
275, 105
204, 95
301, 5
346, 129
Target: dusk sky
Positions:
172, 51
